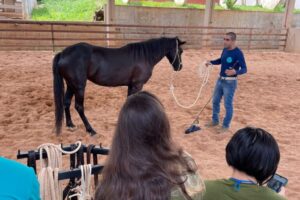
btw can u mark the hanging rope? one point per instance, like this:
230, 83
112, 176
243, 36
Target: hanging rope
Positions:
204, 73
83, 192
50, 188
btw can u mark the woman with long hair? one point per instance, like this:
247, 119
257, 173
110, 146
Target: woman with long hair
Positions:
144, 163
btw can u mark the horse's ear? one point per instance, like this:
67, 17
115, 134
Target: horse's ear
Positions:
182, 42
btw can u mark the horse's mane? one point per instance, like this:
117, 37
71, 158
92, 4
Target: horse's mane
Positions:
150, 49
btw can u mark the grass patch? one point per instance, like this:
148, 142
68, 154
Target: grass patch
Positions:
255, 8
258, 8
171, 4
166, 4
83, 10
66, 10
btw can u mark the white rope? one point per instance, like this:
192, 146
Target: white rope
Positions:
50, 187
83, 192
204, 73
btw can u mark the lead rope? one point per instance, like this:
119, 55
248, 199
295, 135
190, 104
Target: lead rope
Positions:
204, 73
50, 188
83, 192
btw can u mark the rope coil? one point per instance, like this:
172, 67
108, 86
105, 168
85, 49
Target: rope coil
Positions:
204, 73
50, 187
83, 192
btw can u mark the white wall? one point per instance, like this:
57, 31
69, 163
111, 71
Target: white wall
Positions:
248, 2
195, 17
239, 2
253, 2
297, 6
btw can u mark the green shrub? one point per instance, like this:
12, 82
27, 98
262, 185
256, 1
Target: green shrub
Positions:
230, 3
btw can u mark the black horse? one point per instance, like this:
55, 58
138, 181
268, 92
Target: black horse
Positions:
130, 65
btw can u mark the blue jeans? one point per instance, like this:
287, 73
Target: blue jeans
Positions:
224, 88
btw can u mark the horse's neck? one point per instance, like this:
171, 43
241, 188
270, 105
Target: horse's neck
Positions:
160, 54
157, 59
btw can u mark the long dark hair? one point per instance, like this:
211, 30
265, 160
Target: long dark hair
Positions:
144, 163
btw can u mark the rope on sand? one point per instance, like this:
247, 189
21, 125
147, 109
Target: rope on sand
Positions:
204, 73
50, 188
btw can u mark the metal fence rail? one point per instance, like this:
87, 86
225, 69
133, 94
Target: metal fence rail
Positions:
32, 35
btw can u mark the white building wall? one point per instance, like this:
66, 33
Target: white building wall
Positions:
297, 6
253, 2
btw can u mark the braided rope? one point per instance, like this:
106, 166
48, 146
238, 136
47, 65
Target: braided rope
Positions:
50, 187
83, 192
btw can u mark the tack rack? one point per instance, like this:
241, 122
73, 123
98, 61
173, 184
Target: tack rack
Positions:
76, 160
76, 173
97, 149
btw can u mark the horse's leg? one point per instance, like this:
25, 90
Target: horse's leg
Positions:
135, 88
79, 99
68, 99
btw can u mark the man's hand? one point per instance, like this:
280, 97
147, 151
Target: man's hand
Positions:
230, 72
207, 63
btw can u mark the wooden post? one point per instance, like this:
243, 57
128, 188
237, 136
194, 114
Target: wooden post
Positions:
52, 37
286, 39
250, 39
109, 18
209, 6
110, 11
288, 14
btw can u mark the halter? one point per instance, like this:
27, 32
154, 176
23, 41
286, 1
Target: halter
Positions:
177, 55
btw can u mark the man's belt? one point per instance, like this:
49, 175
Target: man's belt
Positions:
228, 78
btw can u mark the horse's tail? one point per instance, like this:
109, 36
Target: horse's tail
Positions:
58, 88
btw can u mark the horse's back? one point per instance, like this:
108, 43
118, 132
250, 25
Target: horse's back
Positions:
77, 50
76, 54
74, 60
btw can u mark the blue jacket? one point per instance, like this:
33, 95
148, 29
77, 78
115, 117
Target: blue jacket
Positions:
231, 59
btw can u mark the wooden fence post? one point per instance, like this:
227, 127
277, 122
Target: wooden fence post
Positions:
250, 39
52, 38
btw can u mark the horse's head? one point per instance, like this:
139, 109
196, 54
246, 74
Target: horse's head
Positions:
174, 55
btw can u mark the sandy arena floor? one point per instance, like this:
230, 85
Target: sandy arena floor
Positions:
268, 97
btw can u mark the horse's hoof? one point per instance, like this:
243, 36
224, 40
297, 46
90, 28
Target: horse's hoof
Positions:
72, 128
92, 132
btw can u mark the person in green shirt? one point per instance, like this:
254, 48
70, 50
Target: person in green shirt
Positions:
144, 163
253, 155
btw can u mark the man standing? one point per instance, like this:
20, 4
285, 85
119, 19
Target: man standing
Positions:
232, 65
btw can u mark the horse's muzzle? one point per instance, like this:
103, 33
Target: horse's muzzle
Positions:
180, 67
